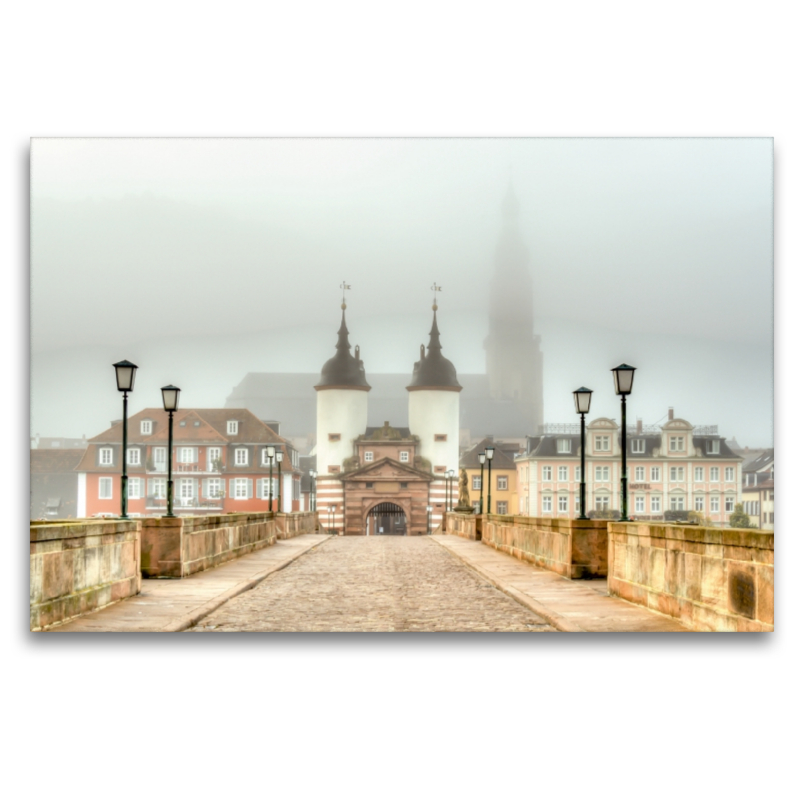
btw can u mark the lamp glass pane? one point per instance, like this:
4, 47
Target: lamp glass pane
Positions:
482, 458
623, 379
270, 452
279, 456
583, 400
169, 395
490, 453
126, 374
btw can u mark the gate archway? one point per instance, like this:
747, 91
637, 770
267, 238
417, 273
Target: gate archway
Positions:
386, 519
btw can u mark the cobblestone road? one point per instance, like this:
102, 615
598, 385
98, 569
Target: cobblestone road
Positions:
375, 583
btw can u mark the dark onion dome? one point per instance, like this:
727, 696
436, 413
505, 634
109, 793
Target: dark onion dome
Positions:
434, 371
343, 370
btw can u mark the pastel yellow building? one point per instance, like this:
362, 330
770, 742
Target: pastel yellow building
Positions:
504, 476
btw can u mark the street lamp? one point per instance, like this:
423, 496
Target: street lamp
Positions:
271, 457
126, 374
279, 458
482, 459
313, 475
449, 475
623, 383
489, 457
169, 396
331, 509
429, 509
583, 400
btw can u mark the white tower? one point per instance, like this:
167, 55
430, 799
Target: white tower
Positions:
433, 416
341, 417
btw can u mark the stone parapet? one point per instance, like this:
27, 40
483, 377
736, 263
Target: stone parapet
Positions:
179, 546
711, 579
573, 548
81, 566
463, 525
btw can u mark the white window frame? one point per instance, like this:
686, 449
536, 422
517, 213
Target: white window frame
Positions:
602, 443
212, 454
233, 427
730, 474
677, 444
563, 504
712, 446
547, 504
187, 455
404, 456
676, 475
638, 503
368, 456
730, 502
502, 483
637, 446
219, 486
699, 502
639, 473
713, 505
476, 483
677, 503
160, 457
713, 474
240, 489
187, 489
146, 427
578, 473
602, 474
240, 457
655, 474
547, 474
134, 457
159, 486
105, 488
699, 475
655, 503
134, 488
563, 445
602, 502
504, 504
106, 457
563, 473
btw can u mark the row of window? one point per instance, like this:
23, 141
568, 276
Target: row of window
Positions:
187, 455
187, 488
675, 503
146, 426
602, 444
404, 456
502, 483
676, 474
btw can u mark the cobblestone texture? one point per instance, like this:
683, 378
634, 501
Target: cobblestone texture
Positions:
376, 583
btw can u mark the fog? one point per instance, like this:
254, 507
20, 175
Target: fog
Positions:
203, 260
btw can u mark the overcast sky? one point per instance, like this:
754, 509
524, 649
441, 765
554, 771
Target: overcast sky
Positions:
212, 258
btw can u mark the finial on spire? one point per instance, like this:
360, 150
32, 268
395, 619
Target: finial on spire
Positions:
344, 286
435, 288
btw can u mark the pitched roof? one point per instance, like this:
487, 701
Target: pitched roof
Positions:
501, 459
55, 460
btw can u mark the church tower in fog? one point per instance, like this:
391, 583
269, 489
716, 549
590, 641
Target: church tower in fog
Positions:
513, 354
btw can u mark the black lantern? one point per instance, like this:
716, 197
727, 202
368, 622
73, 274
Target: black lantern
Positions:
169, 396
271, 457
126, 374
489, 456
623, 383
583, 401
482, 459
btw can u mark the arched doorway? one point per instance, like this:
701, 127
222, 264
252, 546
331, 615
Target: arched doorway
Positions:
386, 519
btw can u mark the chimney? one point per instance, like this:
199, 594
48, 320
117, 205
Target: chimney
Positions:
639, 426
671, 413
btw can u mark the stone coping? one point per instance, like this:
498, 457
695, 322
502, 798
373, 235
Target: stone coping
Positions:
732, 537
80, 529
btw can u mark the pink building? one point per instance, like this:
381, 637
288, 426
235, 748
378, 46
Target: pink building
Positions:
677, 467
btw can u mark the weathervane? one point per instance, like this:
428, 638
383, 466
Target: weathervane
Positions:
344, 286
435, 288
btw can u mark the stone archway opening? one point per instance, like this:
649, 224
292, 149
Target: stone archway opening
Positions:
386, 519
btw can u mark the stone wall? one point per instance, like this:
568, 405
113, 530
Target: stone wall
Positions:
180, 546
711, 579
571, 547
80, 566
464, 525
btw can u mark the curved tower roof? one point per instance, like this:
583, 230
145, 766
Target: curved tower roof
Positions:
343, 371
434, 371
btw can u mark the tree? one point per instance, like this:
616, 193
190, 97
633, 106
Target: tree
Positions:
740, 519
697, 517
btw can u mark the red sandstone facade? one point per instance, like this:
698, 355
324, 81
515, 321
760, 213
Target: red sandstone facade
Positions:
219, 465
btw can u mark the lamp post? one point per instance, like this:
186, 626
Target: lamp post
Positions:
449, 475
279, 458
271, 457
126, 374
169, 396
313, 499
623, 383
489, 457
482, 459
331, 509
429, 509
583, 400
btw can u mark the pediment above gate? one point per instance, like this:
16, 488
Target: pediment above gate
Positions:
387, 469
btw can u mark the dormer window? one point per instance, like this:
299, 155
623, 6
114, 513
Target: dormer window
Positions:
240, 457
712, 447
602, 444
106, 456
134, 456
368, 455
637, 445
563, 446
676, 444
146, 427
404, 456
233, 427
